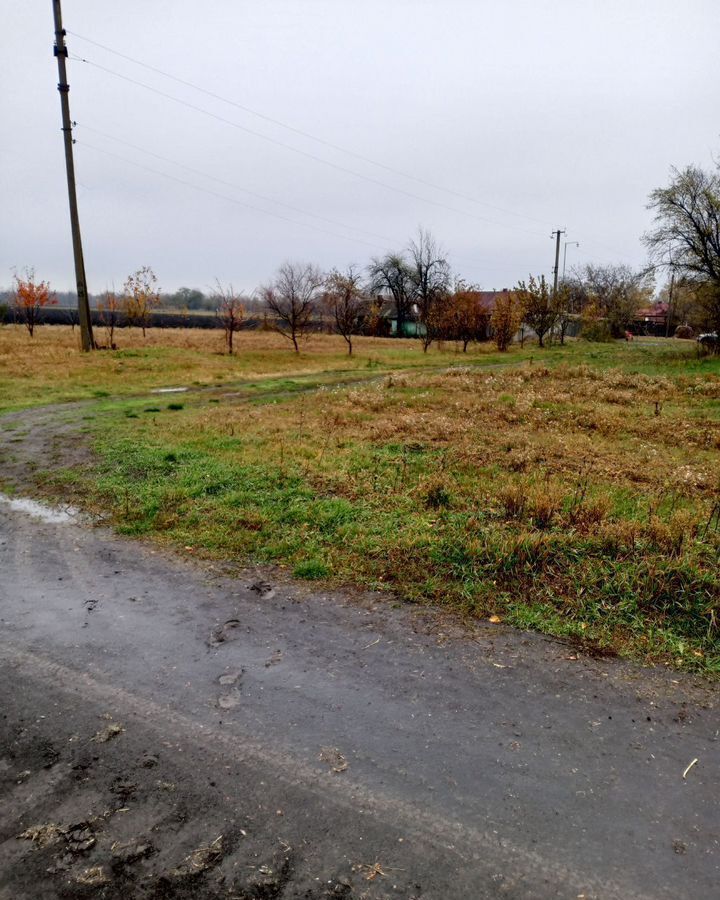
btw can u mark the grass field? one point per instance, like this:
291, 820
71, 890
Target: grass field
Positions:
573, 490
48, 368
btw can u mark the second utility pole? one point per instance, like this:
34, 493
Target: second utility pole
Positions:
86, 334
557, 259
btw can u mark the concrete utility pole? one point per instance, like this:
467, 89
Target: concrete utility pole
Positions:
556, 269
86, 334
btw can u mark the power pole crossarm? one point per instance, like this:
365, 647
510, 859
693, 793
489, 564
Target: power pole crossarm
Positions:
86, 334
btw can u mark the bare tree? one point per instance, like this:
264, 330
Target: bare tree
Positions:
230, 309
563, 306
430, 276
346, 302
292, 297
539, 306
109, 308
686, 236
390, 276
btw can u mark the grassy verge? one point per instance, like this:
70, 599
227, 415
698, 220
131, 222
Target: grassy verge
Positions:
576, 494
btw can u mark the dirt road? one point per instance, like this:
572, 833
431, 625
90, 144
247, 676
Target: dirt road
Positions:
170, 731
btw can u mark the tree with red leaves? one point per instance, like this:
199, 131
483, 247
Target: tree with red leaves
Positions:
29, 297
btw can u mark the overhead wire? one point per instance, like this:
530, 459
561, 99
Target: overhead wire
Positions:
230, 184
226, 197
306, 134
304, 153
389, 241
321, 141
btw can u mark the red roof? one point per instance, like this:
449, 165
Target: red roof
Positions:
656, 311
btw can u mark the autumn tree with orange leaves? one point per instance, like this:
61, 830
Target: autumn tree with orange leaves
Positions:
466, 316
29, 297
141, 296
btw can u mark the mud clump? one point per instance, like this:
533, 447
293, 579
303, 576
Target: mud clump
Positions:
128, 852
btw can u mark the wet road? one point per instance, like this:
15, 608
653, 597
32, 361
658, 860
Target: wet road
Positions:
339, 747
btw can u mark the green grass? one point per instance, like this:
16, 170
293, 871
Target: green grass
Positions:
550, 491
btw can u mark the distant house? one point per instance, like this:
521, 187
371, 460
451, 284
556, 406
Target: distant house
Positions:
388, 325
413, 327
651, 320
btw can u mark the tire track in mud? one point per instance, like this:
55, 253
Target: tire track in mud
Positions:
521, 867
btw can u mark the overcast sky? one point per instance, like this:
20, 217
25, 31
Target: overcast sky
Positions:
500, 121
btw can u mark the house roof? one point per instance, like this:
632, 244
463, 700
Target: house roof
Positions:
487, 298
655, 311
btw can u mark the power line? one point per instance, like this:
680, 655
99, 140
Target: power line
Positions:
304, 153
230, 184
323, 142
212, 193
174, 162
307, 134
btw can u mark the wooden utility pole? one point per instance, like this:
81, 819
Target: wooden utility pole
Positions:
86, 334
556, 234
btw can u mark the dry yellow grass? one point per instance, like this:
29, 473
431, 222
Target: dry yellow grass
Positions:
525, 422
50, 368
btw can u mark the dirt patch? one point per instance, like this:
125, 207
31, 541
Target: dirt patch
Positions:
36, 442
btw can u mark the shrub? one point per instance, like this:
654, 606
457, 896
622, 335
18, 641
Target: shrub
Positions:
594, 326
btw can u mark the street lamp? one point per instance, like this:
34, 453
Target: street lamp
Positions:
574, 244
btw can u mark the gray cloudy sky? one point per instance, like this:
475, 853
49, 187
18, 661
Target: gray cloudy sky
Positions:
536, 114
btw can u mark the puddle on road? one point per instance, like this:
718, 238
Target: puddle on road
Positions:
171, 390
54, 515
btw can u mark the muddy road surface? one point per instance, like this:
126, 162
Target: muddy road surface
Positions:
170, 731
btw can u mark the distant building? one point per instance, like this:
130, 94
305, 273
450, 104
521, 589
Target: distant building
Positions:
413, 327
651, 320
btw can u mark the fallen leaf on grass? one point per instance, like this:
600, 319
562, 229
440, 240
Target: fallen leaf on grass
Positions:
495, 620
